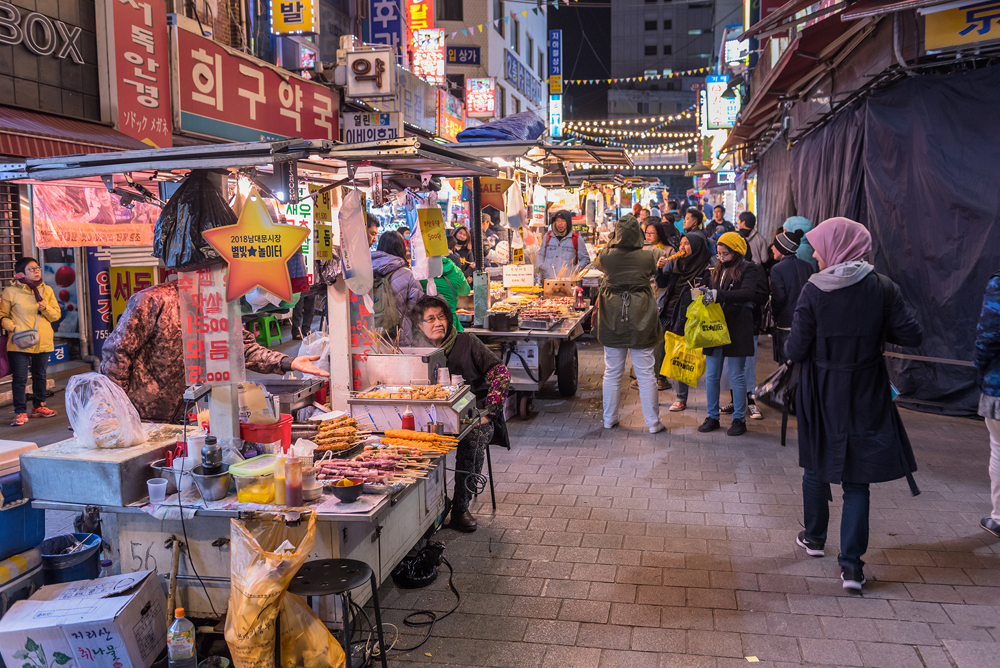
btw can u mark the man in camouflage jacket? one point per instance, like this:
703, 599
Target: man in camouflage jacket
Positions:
143, 355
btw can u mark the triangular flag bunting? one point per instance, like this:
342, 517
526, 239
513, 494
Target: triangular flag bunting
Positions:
453, 34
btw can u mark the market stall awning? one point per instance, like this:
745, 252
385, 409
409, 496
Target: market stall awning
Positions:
406, 157
807, 58
33, 135
550, 158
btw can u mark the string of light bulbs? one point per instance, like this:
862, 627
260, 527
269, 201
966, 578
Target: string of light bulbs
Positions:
642, 134
643, 120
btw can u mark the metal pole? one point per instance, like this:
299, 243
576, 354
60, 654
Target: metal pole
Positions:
476, 222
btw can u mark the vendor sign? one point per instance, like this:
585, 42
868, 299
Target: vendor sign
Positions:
72, 216
323, 242
428, 55
125, 282
481, 97
451, 116
491, 192
211, 331
975, 22
294, 17
257, 250
432, 231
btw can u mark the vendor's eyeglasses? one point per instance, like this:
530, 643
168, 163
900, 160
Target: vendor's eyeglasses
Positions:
430, 320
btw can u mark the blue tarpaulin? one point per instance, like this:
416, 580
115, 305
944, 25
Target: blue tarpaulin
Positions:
522, 126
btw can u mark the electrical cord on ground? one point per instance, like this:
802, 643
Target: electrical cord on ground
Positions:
431, 616
180, 508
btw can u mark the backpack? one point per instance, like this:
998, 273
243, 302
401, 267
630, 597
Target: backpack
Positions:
386, 315
576, 244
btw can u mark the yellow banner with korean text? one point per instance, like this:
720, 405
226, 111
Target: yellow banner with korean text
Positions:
432, 231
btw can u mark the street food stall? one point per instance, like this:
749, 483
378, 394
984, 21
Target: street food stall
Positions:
374, 488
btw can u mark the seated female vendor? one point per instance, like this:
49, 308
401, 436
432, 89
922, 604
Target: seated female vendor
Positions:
486, 375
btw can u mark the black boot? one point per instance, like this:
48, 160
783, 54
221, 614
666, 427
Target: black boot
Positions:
463, 521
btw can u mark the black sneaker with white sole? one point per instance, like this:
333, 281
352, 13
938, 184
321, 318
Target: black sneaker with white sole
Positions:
812, 548
753, 412
727, 409
852, 577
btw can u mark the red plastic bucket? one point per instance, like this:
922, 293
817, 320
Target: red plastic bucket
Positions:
280, 431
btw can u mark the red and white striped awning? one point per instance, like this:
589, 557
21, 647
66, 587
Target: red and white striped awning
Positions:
29, 134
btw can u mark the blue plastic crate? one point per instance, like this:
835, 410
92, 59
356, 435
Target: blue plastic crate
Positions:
21, 526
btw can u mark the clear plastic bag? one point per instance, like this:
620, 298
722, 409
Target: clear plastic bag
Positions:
260, 573
316, 343
101, 414
354, 245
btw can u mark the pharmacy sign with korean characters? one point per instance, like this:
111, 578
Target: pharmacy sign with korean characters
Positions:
371, 74
223, 95
294, 17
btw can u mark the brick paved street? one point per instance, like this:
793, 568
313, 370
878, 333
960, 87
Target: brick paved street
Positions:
618, 548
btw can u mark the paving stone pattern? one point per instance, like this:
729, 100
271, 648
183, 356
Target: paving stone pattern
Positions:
617, 548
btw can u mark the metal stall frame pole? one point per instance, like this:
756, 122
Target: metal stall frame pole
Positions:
476, 220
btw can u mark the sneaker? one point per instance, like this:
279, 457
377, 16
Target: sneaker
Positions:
657, 428
611, 425
296, 334
19, 420
753, 412
737, 428
634, 384
710, 424
663, 384
853, 578
728, 408
678, 406
813, 549
990, 525
43, 412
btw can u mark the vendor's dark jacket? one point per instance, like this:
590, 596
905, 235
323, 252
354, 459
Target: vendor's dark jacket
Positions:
470, 358
143, 355
626, 309
849, 428
788, 277
738, 300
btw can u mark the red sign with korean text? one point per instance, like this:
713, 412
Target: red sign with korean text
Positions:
419, 16
245, 99
211, 329
142, 71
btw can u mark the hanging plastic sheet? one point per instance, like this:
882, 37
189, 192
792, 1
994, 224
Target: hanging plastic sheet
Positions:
197, 206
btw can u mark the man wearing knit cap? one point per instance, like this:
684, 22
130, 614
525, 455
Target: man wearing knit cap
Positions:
788, 277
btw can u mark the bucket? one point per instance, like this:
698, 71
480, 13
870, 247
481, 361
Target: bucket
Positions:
82, 565
273, 436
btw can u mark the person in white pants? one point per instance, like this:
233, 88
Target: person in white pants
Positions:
987, 362
627, 320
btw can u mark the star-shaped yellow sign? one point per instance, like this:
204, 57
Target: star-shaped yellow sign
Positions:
257, 250
491, 192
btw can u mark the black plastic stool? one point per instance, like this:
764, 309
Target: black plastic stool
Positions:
337, 577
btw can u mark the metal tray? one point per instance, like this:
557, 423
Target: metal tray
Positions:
541, 324
356, 398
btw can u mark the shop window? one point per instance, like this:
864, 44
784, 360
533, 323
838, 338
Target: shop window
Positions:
515, 36
448, 10
11, 247
650, 25
517, 105
650, 49
502, 98
498, 14
529, 52
642, 107
668, 49
668, 24
541, 64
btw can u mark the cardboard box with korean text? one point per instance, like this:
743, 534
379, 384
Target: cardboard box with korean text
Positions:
112, 622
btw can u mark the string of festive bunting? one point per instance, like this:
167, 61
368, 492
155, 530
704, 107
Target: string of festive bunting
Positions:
647, 77
471, 30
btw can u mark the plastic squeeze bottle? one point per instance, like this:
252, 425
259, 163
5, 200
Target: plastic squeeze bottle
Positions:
180, 642
293, 480
279, 480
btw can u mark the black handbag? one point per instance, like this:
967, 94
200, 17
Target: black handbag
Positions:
778, 391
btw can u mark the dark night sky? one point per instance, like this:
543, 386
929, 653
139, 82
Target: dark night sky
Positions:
582, 60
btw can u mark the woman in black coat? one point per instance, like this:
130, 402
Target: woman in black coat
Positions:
675, 278
738, 286
850, 432
461, 253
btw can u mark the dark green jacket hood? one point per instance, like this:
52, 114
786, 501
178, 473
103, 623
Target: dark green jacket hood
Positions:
628, 234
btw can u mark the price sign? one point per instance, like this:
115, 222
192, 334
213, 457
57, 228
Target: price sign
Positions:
432, 231
322, 205
323, 242
518, 274
211, 330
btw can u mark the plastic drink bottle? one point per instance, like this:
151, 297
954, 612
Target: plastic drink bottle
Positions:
279, 480
180, 642
293, 480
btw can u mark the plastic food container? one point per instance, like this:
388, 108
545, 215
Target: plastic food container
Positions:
254, 479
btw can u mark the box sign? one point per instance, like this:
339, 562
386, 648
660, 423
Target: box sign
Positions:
428, 55
721, 111
142, 72
114, 621
975, 22
363, 127
243, 99
294, 17
481, 97
371, 74
419, 16
725, 177
522, 78
464, 55
555, 115
385, 25
451, 116
417, 101
60, 58
125, 282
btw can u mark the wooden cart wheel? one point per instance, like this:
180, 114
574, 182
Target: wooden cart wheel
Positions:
567, 368
522, 406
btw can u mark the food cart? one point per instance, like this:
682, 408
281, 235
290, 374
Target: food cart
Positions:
112, 482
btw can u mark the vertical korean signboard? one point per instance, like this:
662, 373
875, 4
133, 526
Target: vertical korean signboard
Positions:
555, 83
451, 116
419, 16
721, 110
301, 214
141, 70
385, 25
125, 282
100, 298
211, 331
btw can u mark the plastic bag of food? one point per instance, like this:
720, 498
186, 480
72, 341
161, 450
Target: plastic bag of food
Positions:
354, 245
261, 568
195, 207
316, 343
101, 414
305, 641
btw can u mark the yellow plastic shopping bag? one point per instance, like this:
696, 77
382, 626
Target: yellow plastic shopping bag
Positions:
680, 362
705, 326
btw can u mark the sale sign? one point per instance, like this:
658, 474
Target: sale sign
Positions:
142, 71
491, 192
241, 98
